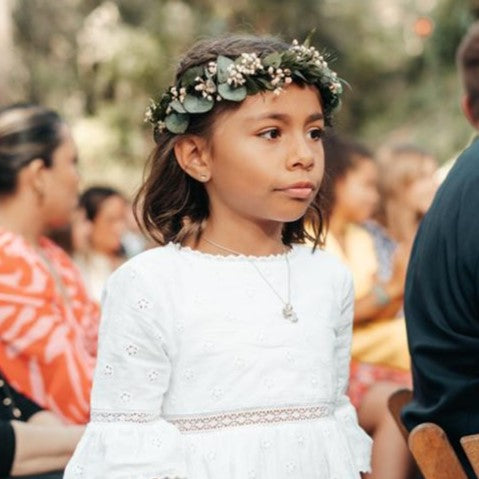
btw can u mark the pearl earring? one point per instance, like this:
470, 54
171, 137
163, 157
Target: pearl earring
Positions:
203, 178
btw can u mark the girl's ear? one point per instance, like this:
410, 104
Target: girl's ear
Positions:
192, 154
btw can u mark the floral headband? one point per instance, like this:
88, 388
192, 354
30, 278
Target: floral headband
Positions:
225, 79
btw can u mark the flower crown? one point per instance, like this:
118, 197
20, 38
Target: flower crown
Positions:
197, 90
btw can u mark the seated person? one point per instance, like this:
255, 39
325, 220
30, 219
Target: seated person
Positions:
48, 327
32, 441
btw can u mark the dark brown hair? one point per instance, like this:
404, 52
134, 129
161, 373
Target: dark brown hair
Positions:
467, 58
175, 205
27, 132
92, 199
341, 155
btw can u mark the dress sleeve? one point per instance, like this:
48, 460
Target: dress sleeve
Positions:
359, 442
126, 436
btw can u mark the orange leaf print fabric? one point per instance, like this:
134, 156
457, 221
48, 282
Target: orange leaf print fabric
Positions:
48, 327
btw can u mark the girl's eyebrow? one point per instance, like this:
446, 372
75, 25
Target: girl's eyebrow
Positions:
286, 118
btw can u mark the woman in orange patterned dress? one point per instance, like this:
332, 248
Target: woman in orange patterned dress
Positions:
48, 324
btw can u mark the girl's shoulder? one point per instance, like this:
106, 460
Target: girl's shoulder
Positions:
150, 263
322, 262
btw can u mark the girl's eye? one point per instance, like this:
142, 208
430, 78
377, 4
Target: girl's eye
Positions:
270, 134
316, 133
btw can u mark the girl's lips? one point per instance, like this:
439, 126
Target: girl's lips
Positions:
301, 192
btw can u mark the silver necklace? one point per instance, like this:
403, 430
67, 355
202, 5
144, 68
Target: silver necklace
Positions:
288, 310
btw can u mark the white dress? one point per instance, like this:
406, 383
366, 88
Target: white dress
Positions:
199, 375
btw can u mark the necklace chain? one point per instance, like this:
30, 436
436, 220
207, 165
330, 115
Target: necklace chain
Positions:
288, 311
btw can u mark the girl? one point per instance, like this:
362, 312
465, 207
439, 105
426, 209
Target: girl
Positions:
217, 357
48, 325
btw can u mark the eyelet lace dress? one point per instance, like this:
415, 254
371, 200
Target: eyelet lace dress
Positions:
199, 376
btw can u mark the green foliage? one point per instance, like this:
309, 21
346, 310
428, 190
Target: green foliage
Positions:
99, 62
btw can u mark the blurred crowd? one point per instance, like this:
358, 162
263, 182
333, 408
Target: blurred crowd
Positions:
58, 246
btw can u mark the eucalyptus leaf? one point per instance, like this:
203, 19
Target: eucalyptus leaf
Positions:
188, 78
232, 94
177, 106
272, 60
194, 104
177, 122
223, 63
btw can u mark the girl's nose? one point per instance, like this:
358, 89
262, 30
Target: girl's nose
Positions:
300, 155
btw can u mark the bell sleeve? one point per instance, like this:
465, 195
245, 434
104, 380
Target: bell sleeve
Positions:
127, 436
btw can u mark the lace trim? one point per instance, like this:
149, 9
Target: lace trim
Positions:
232, 257
251, 417
139, 417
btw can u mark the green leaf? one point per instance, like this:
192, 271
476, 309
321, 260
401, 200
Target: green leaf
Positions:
272, 60
223, 65
177, 122
177, 106
288, 57
307, 41
232, 94
188, 78
252, 86
194, 104
299, 75
266, 84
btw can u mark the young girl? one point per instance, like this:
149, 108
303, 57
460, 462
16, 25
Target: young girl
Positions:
225, 353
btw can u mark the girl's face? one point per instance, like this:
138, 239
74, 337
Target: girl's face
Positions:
418, 195
266, 157
109, 225
61, 183
356, 193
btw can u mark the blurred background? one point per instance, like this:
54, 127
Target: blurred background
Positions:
99, 62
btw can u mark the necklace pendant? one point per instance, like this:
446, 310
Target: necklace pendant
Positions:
289, 314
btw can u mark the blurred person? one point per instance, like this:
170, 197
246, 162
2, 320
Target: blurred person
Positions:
74, 237
442, 287
49, 324
351, 188
32, 441
407, 185
106, 210
133, 239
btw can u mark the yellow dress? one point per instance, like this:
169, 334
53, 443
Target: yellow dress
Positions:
380, 341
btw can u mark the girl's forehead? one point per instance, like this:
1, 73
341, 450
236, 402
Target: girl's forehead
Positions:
293, 101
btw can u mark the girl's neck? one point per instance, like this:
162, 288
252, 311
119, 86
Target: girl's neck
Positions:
20, 218
245, 238
401, 222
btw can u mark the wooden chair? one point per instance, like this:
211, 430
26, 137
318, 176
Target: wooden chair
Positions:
396, 402
429, 445
433, 453
470, 444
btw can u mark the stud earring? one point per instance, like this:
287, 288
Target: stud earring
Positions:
203, 178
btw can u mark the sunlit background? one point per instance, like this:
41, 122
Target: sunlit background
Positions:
98, 63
